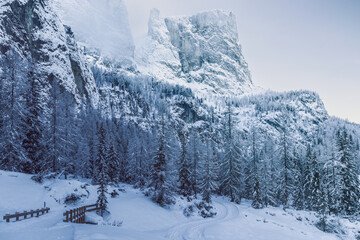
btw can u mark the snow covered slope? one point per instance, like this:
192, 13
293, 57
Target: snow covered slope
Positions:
201, 52
143, 219
40, 40
299, 113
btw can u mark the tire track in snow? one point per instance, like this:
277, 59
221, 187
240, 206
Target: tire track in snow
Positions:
195, 230
198, 232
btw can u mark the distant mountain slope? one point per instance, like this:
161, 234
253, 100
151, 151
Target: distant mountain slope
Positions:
101, 25
200, 52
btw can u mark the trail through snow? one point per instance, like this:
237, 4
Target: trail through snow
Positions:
143, 219
196, 229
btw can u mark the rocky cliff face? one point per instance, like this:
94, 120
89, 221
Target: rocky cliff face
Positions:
201, 51
37, 36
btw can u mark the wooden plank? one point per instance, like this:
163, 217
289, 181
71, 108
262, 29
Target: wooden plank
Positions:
91, 210
67, 216
7, 218
71, 215
93, 205
83, 219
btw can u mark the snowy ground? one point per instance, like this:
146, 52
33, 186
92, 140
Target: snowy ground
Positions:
143, 219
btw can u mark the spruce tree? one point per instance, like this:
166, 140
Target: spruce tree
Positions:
68, 131
113, 163
12, 154
101, 153
285, 187
230, 166
33, 142
208, 183
194, 155
160, 189
308, 173
316, 200
349, 198
184, 173
323, 207
257, 201
124, 175
102, 189
269, 174
53, 125
299, 181
333, 181
102, 177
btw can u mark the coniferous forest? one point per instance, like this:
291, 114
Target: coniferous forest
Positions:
166, 151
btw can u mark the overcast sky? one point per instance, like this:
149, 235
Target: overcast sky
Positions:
289, 45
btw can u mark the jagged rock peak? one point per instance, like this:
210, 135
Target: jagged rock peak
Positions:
201, 51
216, 20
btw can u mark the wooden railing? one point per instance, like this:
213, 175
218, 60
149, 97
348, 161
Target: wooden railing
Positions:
24, 214
77, 215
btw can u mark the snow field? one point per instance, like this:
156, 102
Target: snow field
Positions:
142, 219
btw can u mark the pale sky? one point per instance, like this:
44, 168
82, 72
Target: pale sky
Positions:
288, 44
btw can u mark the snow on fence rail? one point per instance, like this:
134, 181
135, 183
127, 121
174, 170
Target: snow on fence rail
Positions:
30, 213
77, 215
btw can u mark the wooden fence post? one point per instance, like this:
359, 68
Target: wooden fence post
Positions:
78, 218
81, 215
78, 215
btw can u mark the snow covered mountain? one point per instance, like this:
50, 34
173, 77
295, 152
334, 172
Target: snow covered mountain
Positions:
194, 64
201, 52
42, 44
